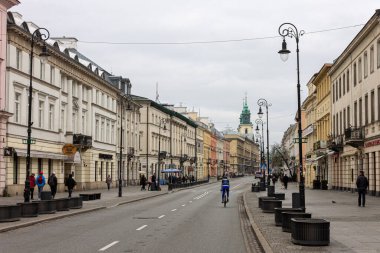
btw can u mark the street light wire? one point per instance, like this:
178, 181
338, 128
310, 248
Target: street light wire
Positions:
212, 41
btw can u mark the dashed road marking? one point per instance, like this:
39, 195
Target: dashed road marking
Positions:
174, 210
190, 201
201, 196
236, 186
109, 246
162, 216
142, 227
183, 205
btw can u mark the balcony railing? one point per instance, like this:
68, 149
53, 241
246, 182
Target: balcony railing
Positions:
335, 143
84, 141
319, 145
354, 137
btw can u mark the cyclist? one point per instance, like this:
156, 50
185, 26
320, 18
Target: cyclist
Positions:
225, 187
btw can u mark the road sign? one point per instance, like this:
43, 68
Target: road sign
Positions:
304, 140
31, 141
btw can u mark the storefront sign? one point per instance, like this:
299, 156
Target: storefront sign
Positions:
105, 156
372, 143
69, 149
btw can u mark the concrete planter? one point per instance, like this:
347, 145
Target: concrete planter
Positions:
313, 232
296, 200
287, 216
264, 198
62, 204
279, 196
269, 205
278, 213
10, 213
270, 191
75, 203
46, 206
29, 209
46, 195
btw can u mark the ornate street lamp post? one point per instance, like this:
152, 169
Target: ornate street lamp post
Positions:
291, 31
43, 35
262, 156
182, 158
263, 102
160, 156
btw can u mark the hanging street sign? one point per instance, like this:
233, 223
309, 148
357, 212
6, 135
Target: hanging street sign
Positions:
32, 141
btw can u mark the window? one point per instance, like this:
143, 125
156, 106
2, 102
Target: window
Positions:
348, 117
52, 75
355, 78
42, 70
344, 119
108, 131
41, 105
97, 129
102, 130
344, 84
348, 80
51, 116
63, 117
340, 123
360, 72
365, 59
366, 109
360, 112
112, 134
84, 122
16, 169
96, 171
17, 116
340, 88
372, 106
63, 83
371, 59
378, 53
75, 93
97, 97
84, 93
355, 113
18, 59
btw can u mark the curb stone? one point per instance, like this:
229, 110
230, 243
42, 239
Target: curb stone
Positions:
264, 243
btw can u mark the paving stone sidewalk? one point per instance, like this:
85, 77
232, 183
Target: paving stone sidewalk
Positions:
108, 198
352, 228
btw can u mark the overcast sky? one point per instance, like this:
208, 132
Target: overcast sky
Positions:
210, 78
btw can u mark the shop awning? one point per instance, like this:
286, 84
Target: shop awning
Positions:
40, 154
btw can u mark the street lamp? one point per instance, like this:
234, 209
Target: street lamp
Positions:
182, 159
122, 97
44, 36
290, 30
263, 102
160, 156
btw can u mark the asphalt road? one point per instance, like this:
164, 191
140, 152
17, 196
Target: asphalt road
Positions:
192, 220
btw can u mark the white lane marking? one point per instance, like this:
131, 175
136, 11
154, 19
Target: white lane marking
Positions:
183, 205
162, 216
190, 201
236, 186
142, 227
174, 210
108, 246
201, 196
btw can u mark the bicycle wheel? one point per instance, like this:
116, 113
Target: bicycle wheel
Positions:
225, 200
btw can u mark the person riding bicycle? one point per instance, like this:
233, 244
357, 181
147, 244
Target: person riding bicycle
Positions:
225, 187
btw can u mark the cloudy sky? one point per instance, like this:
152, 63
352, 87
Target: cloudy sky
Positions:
124, 36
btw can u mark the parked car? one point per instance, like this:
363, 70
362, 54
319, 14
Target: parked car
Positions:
258, 174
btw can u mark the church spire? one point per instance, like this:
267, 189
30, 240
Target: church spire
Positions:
245, 116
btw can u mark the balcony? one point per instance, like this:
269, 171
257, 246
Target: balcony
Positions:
319, 145
83, 141
354, 137
335, 143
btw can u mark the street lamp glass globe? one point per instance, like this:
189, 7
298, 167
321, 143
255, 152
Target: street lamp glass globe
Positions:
284, 57
284, 52
44, 55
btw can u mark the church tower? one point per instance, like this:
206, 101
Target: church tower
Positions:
245, 127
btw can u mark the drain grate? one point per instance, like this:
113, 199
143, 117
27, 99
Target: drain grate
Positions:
252, 243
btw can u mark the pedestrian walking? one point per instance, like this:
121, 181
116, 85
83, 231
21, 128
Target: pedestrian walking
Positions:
70, 182
53, 183
109, 182
32, 184
153, 186
143, 182
285, 179
362, 185
40, 182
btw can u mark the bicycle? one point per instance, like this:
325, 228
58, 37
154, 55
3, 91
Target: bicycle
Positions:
224, 198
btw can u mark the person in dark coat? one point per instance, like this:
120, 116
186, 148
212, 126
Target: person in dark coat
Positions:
362, 185
285, 180
143, 182
153, 186
70, 183
32, 183
53, 183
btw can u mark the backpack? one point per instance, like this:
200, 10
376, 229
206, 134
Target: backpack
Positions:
40, 180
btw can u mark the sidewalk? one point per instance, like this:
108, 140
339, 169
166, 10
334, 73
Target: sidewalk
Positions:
108, 199
352, 228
